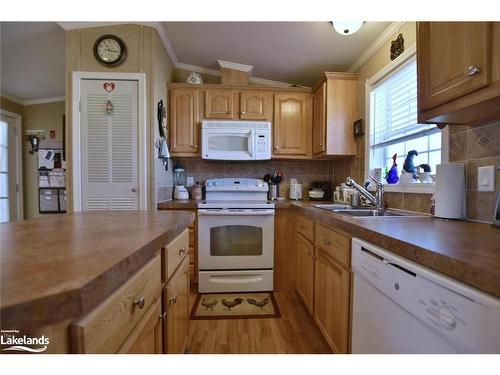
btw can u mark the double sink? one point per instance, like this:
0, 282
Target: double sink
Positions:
345, 209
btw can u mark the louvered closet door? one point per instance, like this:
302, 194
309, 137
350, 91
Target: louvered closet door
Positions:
109, 145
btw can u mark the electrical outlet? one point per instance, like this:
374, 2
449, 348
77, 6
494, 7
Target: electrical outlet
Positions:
190, 181
486, 178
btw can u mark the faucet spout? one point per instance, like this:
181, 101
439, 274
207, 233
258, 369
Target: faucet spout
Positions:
377, 199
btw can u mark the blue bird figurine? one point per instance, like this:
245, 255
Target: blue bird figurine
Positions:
393, 175
409, 165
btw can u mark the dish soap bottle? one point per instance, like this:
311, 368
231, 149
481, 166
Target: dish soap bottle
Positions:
393, 175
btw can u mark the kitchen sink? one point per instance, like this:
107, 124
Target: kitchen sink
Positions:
368, 212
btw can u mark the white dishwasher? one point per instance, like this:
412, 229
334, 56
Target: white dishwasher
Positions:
402, 307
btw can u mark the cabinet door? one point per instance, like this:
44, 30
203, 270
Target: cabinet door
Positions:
219, 104
147, 336
176, 306
292, 125
184, 122
319, 120
454, 59
331, 302
305, 271
255, 105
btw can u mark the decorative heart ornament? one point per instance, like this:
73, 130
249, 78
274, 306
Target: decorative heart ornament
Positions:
109, 86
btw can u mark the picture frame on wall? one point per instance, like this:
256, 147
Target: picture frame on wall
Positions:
359, 128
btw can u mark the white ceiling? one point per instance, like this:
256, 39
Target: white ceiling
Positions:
32, 53
32, 60
294, 52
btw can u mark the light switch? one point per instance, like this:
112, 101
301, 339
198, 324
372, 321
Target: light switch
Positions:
486, 178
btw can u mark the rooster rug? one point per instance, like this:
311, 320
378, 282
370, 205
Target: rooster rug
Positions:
235, 306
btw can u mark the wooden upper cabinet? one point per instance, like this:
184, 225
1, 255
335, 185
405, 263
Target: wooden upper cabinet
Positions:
319, 123
219, 104
332, 301
256, 105
292, 125
454, 59
184, 121
334, 113
458, 70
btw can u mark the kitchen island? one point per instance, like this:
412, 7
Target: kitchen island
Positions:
62, 267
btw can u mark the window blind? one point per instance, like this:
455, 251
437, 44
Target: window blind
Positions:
394, 110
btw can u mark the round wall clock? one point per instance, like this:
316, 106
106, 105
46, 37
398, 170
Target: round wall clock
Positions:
110, 50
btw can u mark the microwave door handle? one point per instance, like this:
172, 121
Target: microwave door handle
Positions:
251, 140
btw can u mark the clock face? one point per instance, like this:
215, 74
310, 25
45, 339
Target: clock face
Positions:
109, 50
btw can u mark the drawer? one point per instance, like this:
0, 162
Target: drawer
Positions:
334, 244
106, 328
305, 227
174, 253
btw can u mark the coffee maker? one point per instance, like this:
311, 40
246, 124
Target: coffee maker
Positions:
180, 191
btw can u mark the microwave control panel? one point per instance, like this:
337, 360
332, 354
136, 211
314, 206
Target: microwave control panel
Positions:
262, 145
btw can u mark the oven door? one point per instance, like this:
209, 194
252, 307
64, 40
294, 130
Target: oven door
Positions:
235, 239
227, 144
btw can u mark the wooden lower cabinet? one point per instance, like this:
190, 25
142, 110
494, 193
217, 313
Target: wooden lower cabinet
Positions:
147, 336
331, 301
305, 271
176, 309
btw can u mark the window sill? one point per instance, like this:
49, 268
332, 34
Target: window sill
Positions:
415, 188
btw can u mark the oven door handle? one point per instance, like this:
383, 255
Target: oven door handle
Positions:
236, 212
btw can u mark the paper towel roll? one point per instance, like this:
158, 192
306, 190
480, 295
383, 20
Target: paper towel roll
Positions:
449, 198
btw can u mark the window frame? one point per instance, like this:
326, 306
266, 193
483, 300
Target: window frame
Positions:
371, 82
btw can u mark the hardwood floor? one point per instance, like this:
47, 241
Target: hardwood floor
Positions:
293, 333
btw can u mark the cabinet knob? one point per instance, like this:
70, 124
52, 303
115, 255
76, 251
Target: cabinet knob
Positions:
140, 302
182, 250
327, 242
243, 112
173, 299
163, 315
276, 148
473, 70
321, 145
133, 190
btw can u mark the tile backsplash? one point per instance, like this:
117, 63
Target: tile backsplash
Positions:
305, 171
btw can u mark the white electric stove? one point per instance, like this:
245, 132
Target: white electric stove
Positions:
236, 236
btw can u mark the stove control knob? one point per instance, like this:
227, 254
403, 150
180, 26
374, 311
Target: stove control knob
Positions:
446, 318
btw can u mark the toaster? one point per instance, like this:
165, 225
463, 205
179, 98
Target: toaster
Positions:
320, 191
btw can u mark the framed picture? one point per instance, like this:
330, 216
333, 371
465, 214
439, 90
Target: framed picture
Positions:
358, 128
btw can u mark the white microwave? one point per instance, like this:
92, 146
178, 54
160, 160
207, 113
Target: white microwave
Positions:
235, 140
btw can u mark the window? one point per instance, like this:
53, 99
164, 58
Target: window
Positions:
4, 170
393, 127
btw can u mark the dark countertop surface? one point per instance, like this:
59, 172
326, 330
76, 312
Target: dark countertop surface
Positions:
462, 250
62, 266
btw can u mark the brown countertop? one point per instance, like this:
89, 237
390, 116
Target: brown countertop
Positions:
466, 251
191, 204
62, 266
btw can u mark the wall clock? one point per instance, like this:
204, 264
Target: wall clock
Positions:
110, 50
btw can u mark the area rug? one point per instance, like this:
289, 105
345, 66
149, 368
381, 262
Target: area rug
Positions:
235, 306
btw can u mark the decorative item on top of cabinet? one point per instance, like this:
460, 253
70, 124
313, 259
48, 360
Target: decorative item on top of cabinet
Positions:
220, 104
334, 108
458, 72
184, 121
292, 125
256, 105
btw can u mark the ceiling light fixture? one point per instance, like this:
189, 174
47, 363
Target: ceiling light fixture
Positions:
347, 28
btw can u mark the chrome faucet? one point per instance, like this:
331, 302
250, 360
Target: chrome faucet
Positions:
378, 199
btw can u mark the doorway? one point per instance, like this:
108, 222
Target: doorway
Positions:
11, 207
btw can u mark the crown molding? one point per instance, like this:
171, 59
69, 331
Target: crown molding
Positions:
269, 82
235, 66
198, 69
166, 43
384, 37
32, 101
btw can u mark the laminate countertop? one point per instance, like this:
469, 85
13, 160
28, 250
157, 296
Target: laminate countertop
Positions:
191, 204
62, 266
465, 251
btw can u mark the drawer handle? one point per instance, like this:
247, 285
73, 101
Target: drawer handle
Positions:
473, 70
173, 299
163, 315
327, 242
182, 250
243, 113
140, 302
